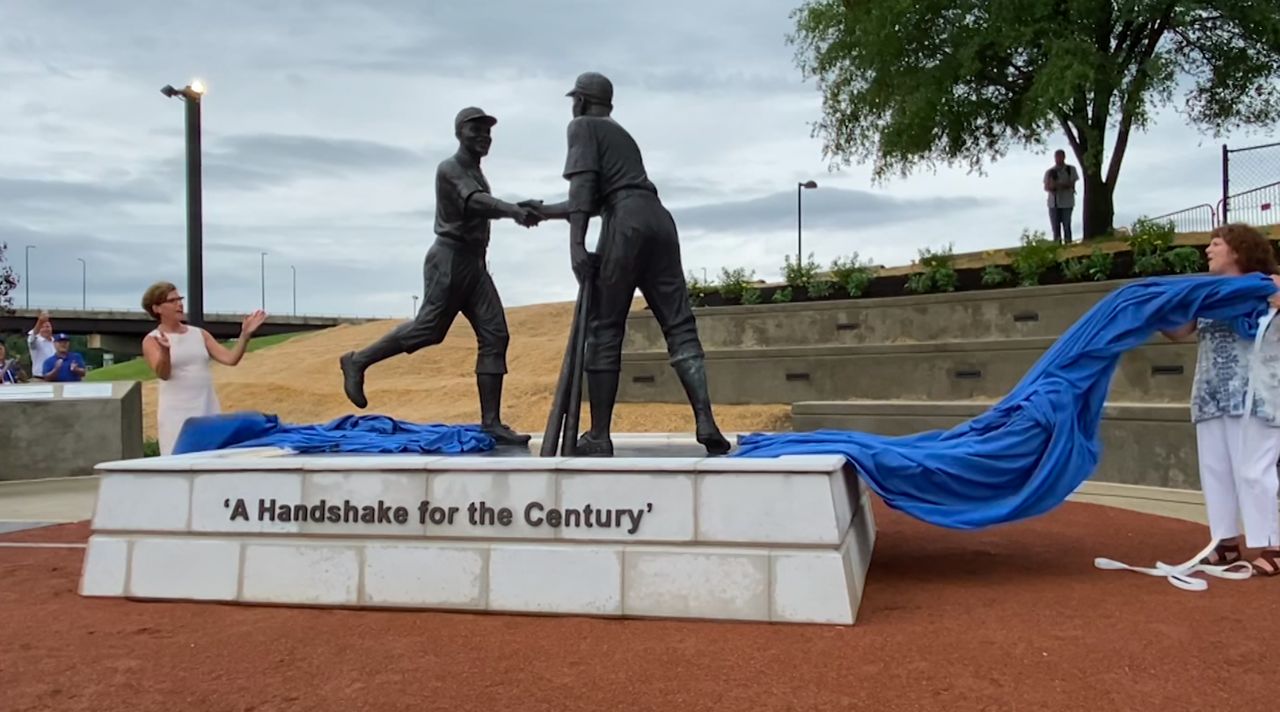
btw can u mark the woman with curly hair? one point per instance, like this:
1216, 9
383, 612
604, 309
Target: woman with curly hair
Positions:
1235, 405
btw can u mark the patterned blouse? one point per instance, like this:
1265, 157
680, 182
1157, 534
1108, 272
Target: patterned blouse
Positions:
1225, 364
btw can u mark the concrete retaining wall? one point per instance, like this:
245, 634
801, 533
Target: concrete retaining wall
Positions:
65, 429
1159, 372
966, 316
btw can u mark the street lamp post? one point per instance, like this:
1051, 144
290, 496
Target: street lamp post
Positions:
84, 284
191, 95
295, 289
263, 280
807, 185
26, 271
415, 306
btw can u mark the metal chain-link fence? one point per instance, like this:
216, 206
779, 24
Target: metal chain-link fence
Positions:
1250, 185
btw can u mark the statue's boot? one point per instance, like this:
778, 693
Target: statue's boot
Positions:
355, 363
693, 376
490, 387
602, 391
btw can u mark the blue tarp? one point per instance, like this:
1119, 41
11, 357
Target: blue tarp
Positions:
350, 433
1027, 453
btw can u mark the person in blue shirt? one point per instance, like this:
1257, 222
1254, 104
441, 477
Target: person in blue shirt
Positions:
64, 365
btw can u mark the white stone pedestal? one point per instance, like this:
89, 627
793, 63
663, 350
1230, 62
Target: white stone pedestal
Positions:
785, 539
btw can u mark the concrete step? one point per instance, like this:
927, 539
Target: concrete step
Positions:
1158, 372
982, 315
1152, 445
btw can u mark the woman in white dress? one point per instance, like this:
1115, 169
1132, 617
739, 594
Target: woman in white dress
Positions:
179, 354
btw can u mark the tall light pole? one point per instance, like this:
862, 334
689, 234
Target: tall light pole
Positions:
263, 281
191, 95
295, 289
415, 306
84, 284
807, 185
26, 271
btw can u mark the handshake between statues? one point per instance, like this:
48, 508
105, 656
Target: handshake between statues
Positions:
529, 213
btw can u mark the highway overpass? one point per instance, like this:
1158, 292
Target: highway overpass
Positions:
121, 332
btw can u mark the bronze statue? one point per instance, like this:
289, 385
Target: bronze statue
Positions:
638, 247
456, 279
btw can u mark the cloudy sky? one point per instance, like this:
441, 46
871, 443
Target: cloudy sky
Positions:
325, 119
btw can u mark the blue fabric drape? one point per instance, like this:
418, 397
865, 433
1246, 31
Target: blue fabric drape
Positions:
350, 433
1027, 453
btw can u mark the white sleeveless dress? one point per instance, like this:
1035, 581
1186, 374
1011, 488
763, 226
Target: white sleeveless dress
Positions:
188, 392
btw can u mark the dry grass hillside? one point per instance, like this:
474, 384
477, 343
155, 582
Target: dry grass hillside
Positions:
299, 381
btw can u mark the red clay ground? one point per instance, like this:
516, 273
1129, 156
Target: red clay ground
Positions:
1013, 618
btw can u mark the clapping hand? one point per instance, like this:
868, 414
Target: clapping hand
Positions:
162, 339
252, 322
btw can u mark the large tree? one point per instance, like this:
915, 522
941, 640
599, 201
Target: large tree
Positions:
8, 281
919, 82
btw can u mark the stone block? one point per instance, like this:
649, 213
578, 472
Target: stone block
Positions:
512, 490
555, 579
706, 583
130, 502
200, 569
762, 508
400, 491
663, 504
106, 566
810, 587
301, 573
425, 575
214, 497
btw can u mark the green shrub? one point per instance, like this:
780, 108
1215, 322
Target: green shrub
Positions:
1074, 270
1037, 254
782, 295
151, 447
1100, 264
697, 289
751, 295
734, 282
800, 275
938, 274
1150, 242
821, 288
851, 274
1148, 264
995, 275
918, 283
1184, 260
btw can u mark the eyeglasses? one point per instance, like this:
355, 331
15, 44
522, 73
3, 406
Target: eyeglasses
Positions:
172, 300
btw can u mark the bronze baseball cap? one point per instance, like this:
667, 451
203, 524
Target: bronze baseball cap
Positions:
593, 85
472, 113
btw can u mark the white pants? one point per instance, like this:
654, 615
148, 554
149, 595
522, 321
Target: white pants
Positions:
1238, 476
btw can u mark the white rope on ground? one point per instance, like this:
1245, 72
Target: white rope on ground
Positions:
1181, 575
38, 545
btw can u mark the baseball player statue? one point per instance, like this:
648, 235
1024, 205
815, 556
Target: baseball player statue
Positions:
456, 279
638, 247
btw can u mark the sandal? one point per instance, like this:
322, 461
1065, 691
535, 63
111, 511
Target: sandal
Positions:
1267, 563
1225, 553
